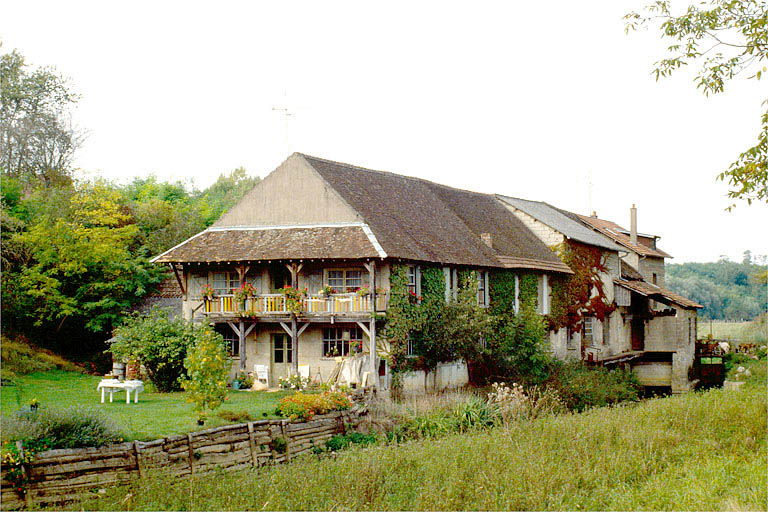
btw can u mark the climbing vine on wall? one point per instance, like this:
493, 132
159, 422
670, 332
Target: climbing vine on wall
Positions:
580, 294
402, 318
502, 290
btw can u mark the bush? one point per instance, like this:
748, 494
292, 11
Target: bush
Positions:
582, 387
160, 343
62, 428
341, 442
207, 366
303, 407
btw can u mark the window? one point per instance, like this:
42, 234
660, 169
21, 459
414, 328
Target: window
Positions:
412, 280
230, 338
345, 281
654, 279
690, 329
481, 288
410, 348
544, 293
225, 282
283, 348
589, 329
336, 340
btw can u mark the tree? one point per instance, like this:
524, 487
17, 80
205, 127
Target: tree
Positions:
728, 38
37, 139
207, 367
81, 263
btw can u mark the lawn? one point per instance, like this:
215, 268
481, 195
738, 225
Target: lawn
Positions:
156, 415
700, 451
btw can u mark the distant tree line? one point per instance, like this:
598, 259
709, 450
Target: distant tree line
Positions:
728, 290
75, 252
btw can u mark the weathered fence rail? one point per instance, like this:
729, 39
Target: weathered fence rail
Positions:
60, 475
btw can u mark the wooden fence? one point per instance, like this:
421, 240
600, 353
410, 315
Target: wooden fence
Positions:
60, 475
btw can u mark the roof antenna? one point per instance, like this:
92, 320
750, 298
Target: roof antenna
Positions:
287, 114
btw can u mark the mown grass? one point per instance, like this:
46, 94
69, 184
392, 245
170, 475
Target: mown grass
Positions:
156, 415
701, 451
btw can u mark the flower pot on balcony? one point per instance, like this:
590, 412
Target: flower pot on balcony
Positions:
241, 305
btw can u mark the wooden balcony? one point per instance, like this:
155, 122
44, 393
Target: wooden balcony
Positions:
274, 304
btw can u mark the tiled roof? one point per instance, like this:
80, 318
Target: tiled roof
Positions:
629, 273
419, 220
275, 243
618, 234
560, 222
653, 291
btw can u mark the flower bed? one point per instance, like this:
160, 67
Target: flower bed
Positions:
303, 407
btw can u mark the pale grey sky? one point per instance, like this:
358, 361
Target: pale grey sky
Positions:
534, 100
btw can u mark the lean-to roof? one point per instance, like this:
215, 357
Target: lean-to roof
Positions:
621, 236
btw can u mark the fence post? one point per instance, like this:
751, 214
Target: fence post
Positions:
284, 431
138, 460
252, 444
191, 454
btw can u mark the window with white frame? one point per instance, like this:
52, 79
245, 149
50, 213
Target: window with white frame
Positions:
231, 339
410, 349
588, 332
482, 288
544, 295
225, 282
337, 340
345, 280
412, 279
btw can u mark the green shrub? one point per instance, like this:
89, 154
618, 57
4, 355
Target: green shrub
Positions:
341, 442
582, 387
207, 366
62, 428
160, 343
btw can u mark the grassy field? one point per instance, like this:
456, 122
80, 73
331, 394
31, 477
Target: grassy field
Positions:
156, 415
701, 451
755, 331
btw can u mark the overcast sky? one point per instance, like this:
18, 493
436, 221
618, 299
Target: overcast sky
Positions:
534, 100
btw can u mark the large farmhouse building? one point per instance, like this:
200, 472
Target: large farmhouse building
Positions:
332, 232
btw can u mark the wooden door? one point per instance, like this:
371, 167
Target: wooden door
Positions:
281, 359
638, 334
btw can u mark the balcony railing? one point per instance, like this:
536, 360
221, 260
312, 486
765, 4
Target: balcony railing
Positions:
274, 303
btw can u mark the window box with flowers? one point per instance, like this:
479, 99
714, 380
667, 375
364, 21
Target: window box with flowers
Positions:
207, 292
245, 292
294, 298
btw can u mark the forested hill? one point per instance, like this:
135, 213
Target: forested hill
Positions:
727, 290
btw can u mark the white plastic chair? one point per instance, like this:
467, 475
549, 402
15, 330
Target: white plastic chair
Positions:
262, 373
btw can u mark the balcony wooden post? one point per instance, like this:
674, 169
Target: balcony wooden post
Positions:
295, 342
374, 371
241, 335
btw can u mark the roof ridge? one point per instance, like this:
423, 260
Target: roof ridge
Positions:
390, 173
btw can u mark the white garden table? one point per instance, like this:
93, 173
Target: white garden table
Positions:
112, 385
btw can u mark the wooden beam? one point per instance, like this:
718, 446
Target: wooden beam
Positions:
234, 328
242, 346
364, 328
302, 329
250, 328
372, 328
242, 270
286, 328
178, 278
295, 345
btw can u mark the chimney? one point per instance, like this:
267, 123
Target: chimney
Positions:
594, 214
633, 225
487, 238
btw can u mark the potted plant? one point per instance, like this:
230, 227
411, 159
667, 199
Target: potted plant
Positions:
245, 291
364, 291
326, 291
294, 298
207, 292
